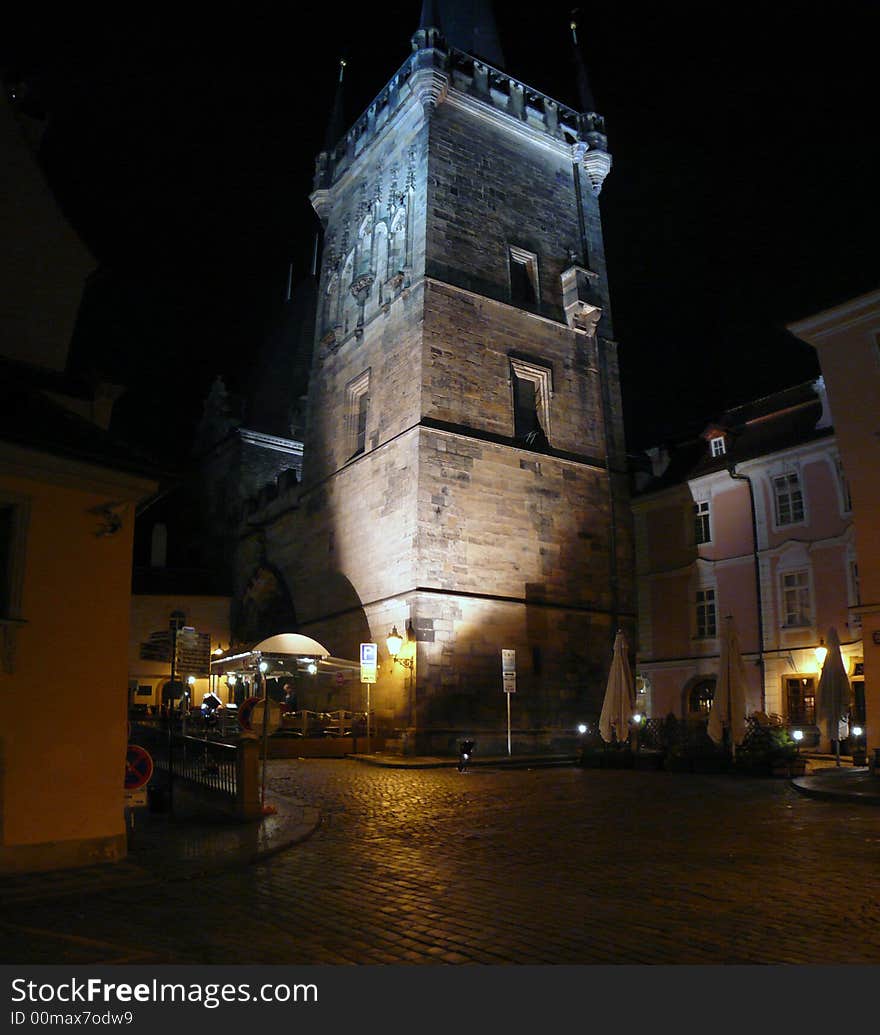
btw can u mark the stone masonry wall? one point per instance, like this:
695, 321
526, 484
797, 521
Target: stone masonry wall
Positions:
489, 189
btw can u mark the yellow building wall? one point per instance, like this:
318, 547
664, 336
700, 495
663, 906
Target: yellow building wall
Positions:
64, 728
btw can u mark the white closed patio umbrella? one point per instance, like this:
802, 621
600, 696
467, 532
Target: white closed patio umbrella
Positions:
728, 709
293, 644
833, 691
620, 695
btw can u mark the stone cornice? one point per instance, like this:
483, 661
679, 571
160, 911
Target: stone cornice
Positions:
818, 328
259, 438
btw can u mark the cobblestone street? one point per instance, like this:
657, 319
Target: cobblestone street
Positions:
541, 866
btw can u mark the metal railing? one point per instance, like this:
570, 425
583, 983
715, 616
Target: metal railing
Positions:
208, 763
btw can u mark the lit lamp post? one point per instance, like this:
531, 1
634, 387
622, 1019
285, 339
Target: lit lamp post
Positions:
636, 725
797, 737
859, 753
394, 643
264, 668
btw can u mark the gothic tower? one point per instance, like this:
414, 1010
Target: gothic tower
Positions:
463, 475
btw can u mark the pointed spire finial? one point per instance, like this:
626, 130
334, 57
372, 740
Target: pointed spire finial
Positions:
336, 124
585, 94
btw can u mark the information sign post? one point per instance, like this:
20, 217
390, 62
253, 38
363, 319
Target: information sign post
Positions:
369, 668
508, 680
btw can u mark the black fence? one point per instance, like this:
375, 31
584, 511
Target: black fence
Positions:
208, 763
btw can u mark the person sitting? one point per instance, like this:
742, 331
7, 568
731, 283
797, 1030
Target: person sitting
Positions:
288, 701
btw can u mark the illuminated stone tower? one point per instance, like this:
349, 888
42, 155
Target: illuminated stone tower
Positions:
463, 462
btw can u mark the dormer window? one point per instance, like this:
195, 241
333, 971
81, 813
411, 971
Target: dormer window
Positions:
718, 446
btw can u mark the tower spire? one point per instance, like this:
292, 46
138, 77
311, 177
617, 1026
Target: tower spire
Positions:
593, 145
467, 25
428, 18
585, 94
336, 124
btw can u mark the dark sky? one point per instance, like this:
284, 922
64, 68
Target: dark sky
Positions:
743, 192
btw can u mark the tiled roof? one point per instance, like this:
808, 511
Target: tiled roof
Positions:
769, 425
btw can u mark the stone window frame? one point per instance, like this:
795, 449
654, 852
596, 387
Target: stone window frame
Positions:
355, 391
541, 375
529, 260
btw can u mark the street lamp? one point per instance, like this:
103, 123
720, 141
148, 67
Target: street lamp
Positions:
797, 736
394, 643
821, 653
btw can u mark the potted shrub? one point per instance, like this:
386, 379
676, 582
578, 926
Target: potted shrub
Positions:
768, 749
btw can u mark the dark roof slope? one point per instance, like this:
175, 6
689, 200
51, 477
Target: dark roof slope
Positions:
768, 425
30, 418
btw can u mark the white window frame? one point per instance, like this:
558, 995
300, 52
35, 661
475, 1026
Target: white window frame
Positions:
788, 493
702, 518
718, 446
702, 608
853, 590
843, 486
804, 589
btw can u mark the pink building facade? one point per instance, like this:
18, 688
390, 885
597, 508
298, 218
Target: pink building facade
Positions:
847, 342
751, 519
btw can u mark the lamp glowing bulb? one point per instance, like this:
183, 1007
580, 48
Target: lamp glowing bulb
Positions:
857, 731
312, 668
637, 718
264, 666
821, 654
190, 680
797, 735
394, 642
582, 728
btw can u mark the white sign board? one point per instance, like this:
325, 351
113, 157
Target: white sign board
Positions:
369, 662
508, 661
509, 682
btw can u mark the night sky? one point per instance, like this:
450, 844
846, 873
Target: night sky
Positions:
742, 197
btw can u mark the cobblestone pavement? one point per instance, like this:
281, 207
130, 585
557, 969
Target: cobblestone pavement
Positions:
544, 866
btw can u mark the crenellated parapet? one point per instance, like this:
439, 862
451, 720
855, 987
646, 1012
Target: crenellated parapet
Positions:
434, 73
